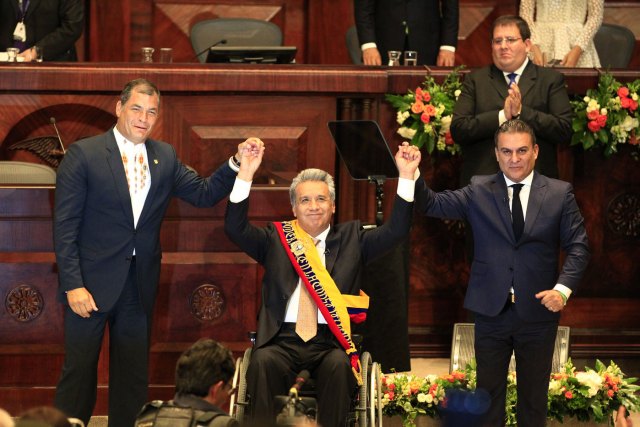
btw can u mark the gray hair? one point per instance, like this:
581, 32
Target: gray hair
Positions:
514, 126
312, 175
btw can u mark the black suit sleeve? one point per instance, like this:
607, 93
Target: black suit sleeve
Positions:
365, 16
450, 22
56, 31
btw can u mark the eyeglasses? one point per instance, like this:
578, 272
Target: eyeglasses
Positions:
509, 40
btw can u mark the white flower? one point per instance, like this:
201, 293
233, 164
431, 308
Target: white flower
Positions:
586, 99
555, 387
422, 398
429, 398
593, 105
457, 93
432, 378
591, 379
402, 116
603, 111
629, 123
446, 124
406, 132
634, 96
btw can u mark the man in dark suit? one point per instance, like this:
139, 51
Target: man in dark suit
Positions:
514, 287
112, 192
337, 261
53, 25
538, 96
429, 27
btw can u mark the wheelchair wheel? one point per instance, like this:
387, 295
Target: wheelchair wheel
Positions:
375, 395
242, 398
363, 401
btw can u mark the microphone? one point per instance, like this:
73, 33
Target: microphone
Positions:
222, 41
53, 122
302, 378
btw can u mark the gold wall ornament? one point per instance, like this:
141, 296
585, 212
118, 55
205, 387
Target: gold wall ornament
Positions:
207, 302
24, 303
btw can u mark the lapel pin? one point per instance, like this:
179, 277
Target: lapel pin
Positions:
155, 161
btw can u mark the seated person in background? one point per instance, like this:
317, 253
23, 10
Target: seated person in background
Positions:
311, 264
53, 25
203, 375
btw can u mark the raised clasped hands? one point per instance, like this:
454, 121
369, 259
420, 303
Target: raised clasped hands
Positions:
551, 299
513, 102
250, 153
81, 302
408, 159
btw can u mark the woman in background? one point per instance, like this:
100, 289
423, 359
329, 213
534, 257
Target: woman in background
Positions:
562, 31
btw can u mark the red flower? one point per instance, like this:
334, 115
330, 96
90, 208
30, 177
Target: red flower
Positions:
391, 395
602, 120
633, 105
426, 118
423, 95
625, 102
623, 92
610, 393
593, 126
568, 395
448, 140
392, 386
633, 141
593, 114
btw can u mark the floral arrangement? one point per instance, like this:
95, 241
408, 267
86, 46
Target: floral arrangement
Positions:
424, 115
589, 395
608, 116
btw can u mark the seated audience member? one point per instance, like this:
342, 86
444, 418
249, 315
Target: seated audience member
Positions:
311, 267
203, 383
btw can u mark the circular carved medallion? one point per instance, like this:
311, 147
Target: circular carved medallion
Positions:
24, 303
623, 215
207, 302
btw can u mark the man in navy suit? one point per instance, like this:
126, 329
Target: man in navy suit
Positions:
514, 287
342, 251
430, 27
112, 192
492, 95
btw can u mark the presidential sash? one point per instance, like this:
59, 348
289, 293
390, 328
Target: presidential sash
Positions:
338, 309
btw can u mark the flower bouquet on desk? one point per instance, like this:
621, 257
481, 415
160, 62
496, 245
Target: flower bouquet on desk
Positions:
424, 115
592, 394
608, 116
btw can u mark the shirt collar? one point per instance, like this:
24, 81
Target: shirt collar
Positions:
519, 71
527, 181
322, 236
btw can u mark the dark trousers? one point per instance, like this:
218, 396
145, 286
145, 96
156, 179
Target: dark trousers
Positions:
274, 367
533, 343
128, 359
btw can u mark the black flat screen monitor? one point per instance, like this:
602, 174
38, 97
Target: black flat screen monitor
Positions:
252, 54
363, 149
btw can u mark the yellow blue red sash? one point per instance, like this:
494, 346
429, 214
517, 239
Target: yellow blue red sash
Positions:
337, 309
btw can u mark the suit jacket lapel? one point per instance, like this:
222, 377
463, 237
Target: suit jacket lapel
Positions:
114, 159
33, 5
496, 77
154, 167
536, 197
501, 199
528, 79
332, 249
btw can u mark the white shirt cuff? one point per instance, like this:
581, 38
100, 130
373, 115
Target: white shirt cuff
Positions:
501, 117
240, 191
447, 47
233, 166
406, 189
563, 290
368, 46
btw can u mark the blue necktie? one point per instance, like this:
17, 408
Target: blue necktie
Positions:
516, 211
512, 78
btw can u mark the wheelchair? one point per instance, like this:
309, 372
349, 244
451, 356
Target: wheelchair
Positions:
366, 407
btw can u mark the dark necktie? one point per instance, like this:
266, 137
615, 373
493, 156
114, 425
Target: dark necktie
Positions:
512, 78
516, 211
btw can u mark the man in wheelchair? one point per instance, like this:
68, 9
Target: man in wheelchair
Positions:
311, 285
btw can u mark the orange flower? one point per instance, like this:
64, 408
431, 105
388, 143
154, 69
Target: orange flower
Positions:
417, 107
610, 393
623, 92
430, 109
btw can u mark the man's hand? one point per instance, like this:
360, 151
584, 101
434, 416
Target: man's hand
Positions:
408, 159
551, 299
81, 302
621, 419
446, 58
513, 102
371, 56
251, 152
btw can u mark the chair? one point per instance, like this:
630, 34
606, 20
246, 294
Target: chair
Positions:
26, 174
367, 408
462, 350
236, 32
615, 45
353, 45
